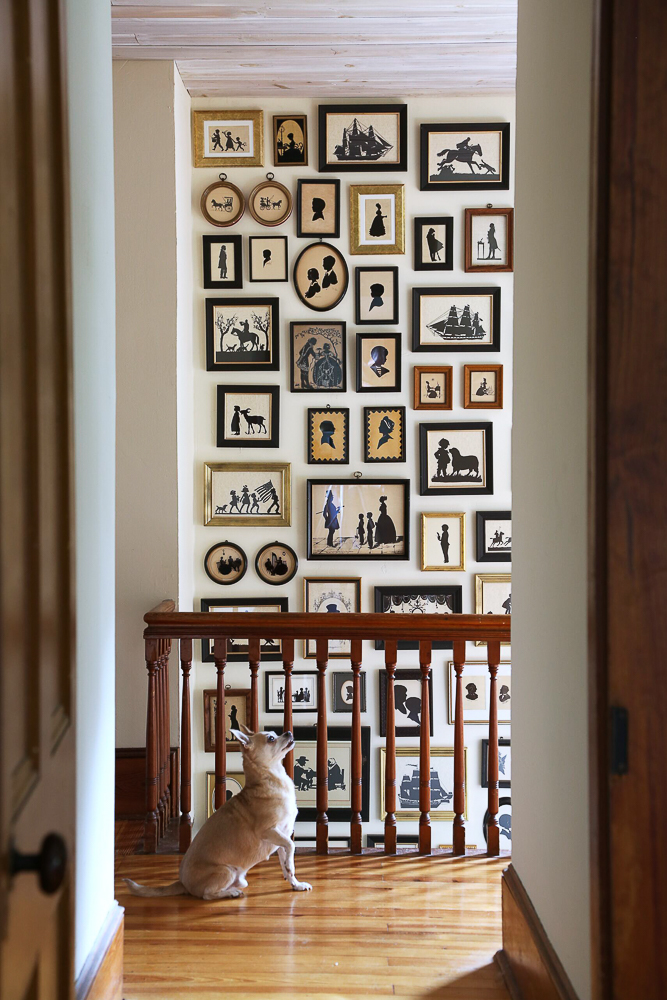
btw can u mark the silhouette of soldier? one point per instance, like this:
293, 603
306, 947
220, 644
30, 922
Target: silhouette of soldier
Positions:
330, 514
274, 501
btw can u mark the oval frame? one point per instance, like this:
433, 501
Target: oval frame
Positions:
285, 191
345, 283
230, 545
283, 580
222, 224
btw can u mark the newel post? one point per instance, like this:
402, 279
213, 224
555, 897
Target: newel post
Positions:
152, 814
185, 825
355, 822
425, 751
459, 762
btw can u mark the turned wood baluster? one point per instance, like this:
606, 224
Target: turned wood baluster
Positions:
160, 742
253, 660
185, 825
459, 762
167, 734
288, 666
220, 657
425, 752
322, 820
355, 824
152, 815
390, 658
493, 831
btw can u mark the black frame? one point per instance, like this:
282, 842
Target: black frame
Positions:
344, 282
375, 840
501, 185
339, 734
230, 545
357, 296
297, 388
405, 483
283, 580
335, 233
346, 675
427, 490
446, 348
302, 119
392, 335
383, 461
227, 602
276, 237
482, 517
237, 242
312, 410
373, 166
504, 800
503, 741
227, 366
405, 675
268, 441
419, 222
280, 673
453, 590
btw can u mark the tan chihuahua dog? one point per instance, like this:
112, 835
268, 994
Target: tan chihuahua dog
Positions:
245, 830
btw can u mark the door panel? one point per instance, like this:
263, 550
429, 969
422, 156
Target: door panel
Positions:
36, 531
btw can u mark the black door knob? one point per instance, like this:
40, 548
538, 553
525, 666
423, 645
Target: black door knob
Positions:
50, 864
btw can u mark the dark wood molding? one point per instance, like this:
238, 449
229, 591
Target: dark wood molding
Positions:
130, 783
102, 975
528, 962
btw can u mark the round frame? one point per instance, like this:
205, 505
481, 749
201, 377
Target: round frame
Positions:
503, 800
344, 283
229, 545
283, 579
270, 184
222, 185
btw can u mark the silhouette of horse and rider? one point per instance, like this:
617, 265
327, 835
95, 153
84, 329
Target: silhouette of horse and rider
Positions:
463, 153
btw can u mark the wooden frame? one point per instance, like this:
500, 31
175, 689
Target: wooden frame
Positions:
282, 520
375, 320
222, 283
363, 338
480, 580
224, 203
307, 297
414, 814
256, 192
343, 434
306, 707
280, 578
239, 572
419, 222
465, 183
237, 777
326, 165
413, 730
471, 257
302, 122
258, 439
482, 553
372, 454
423, 593
459, 564
485, 488
447, 395
359, 192
309, 645
474, 716
403, 532
469, 401
340, 677
311, 328
503, 741
272, 334
309, 230
266, 239
241, 655
450, 345
201, 159
211, 695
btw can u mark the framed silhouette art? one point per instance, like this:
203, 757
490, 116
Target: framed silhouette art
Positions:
267, 258
477, 693
379, 362
457, 156
270, 203
434, 243
276, 563
456, 459
375, 296
384, 434
222, 261
421, 599
407, 702
331, 596
358, 518
432, 387
452, 319
248, 416
318, 207
328, 436
238, 649
237, 712
244, 494
225, 563
377, 219
318, 357
489, 240
290, 140
242, 334
222, 203
321, 276
363, 137
443, 542
494, 536
483, 387
228, 138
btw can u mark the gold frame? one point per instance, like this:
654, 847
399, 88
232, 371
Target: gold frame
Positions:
396, 189
247, 520
451, 691
210, 787
304, 130
329, 579
471, 404
413, 814
462, 553
198, 119
480, 580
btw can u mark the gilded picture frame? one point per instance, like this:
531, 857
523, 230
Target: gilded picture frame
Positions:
370, 206
260, 473
250, 128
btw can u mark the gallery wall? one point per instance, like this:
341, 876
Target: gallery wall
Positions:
293, 407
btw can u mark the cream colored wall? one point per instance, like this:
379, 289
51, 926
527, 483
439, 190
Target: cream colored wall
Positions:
549, 726
293, 433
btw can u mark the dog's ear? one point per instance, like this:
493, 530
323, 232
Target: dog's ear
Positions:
241, 737
245, 729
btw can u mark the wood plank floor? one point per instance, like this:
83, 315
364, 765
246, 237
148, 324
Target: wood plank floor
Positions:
381, 927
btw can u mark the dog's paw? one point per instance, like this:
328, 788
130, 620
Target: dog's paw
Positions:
301, 886
235, 893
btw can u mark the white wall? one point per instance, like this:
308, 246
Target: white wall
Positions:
92, 202
549, 730
293, 432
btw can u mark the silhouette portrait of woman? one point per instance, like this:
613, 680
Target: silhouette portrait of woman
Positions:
318, 205
229, 144
313, 276
385, 533
377, 291
434, 245
385, 428
377, 225
379, 355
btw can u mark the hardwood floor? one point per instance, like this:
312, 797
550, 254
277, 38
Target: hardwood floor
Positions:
406, 926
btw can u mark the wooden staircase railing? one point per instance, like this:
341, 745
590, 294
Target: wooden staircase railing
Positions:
164, 624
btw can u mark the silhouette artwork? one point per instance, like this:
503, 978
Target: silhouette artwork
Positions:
327, 429
385, 429
484, 388
379, 355
360, 534
266, 257
432, 390
434, 245
411, 706
276, 565
370, 529
222, 262
504, 694
330, 514
471, 157
500, 541
263, 499
216, 140
452, 466
408, 791
507, 605
233, 719
330, 276
356, 520
241, 335
443, 538
360, 143
471, 690
385, 532
318, 205
377, 291
377, 227
458, 324
318, 359
314, 288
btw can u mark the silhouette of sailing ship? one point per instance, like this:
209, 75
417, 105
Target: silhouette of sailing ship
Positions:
408, 793
452, 326
360, 143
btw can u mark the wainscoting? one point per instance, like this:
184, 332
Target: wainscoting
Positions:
130, 788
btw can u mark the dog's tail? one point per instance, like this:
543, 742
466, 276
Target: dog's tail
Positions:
174, 889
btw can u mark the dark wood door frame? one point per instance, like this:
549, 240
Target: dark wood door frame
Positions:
628, 503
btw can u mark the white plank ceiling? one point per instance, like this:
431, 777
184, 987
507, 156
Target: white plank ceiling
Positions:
349, 48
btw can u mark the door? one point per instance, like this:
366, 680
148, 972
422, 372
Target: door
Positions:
36, 532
